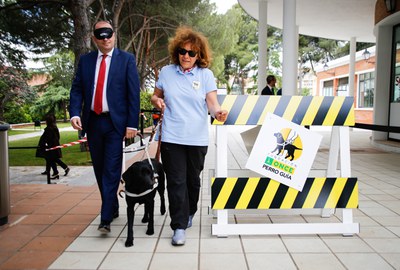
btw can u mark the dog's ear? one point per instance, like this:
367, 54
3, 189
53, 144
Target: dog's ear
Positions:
128, 173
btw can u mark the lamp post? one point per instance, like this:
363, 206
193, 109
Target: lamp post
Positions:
326, 67
366, 54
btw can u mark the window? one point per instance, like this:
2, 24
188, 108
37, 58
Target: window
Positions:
395, 96
327, 89
366, 90
343, 87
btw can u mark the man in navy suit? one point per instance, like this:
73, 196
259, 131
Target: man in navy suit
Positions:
270, 89
108, 117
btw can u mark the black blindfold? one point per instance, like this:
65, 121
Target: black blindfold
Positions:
103, 33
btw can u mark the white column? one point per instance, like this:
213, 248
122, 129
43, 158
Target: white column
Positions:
262, 45
383, 56
290, 54
352, 66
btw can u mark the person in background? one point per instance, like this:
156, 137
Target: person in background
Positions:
51, 138
270, 88
186, 91
105, 104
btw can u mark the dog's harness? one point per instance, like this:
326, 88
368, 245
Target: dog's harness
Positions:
155, 179
129, 194
155, 174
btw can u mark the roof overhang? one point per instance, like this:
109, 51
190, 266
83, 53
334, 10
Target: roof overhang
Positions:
333, 19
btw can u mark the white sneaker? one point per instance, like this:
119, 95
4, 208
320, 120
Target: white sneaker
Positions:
179, 237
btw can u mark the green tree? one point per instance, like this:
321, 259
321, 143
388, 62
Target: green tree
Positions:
55, 99
14, 90
242, 60
141, 27
218, 30
60, 67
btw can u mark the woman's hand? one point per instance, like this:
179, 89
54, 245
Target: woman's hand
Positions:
158, 102
221, 115
157, 99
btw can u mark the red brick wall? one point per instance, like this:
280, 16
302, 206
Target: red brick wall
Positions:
364, 116
380, 10
361, 115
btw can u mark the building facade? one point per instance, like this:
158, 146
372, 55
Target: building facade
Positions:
333, 80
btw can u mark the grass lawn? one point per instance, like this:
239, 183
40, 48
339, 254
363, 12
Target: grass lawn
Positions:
72, 155
30, 129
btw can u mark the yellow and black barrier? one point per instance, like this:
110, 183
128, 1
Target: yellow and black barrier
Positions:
237, 193
302, 110
265, 193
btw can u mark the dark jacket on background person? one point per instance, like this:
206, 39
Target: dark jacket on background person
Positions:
49, 139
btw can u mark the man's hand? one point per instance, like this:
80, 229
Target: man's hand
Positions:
76, 123
130, 133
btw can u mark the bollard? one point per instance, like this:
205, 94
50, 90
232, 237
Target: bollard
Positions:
4, 175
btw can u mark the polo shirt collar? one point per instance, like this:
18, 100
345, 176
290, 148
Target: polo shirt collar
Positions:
189, 71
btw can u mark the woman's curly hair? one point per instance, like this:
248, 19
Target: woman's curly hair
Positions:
199, 43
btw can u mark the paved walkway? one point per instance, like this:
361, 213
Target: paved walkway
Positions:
55, 226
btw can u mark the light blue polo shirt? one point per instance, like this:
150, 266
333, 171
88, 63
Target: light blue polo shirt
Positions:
185, 118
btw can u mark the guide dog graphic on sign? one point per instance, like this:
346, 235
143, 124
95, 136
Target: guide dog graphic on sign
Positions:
284, 151
287, 145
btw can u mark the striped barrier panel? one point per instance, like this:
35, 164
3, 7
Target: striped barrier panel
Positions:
265, 193
326, 193
307, 110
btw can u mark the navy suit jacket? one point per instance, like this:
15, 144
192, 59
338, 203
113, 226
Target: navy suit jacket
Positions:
123, 90
268, 91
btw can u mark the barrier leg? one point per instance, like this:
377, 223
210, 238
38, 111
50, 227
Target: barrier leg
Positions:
333, 152
332, 164
345, 167
221, 157
221, 151
222, 219
347, 216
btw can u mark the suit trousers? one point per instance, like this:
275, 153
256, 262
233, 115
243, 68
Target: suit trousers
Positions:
182, 165
105, 146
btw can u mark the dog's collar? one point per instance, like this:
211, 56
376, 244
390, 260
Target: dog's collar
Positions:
129, 194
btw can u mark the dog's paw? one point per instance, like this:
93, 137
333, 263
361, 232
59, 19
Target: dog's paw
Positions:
162, 209
145, 219
150, 231
128, 243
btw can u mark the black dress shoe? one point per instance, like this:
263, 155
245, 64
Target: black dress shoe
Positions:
116, 214
44, 173
66, 171
104, 228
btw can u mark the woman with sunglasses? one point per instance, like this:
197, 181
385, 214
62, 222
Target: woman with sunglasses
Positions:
186, 92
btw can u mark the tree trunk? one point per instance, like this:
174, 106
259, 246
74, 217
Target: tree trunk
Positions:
81, 36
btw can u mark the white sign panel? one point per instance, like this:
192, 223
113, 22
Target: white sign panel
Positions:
284, 151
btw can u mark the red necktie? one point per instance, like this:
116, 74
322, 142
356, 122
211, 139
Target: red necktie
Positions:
98, 99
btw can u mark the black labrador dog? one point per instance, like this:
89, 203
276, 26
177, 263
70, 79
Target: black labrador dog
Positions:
141, 185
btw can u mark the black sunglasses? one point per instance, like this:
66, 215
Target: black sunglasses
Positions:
182, 51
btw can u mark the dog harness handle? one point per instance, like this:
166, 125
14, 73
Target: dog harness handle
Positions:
157, 157
129, 194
